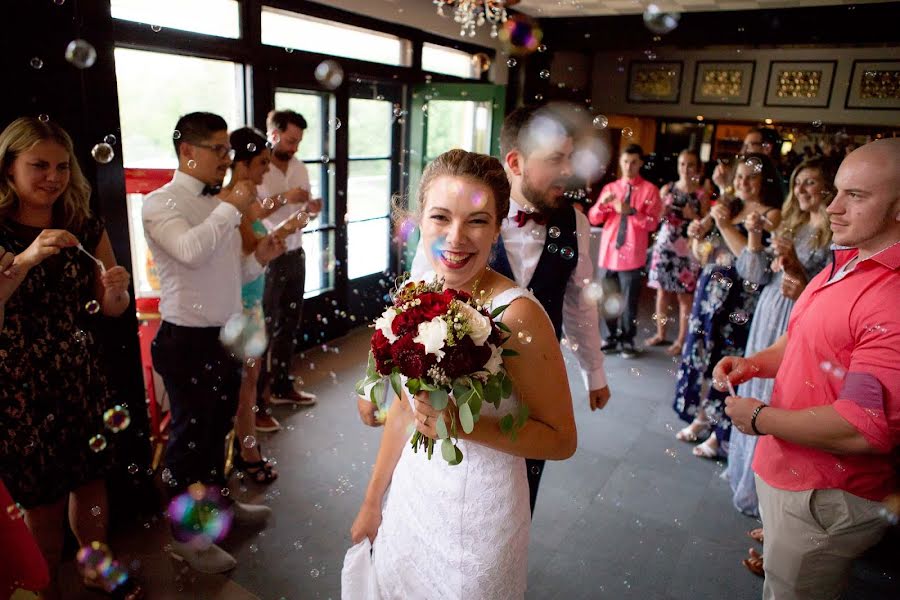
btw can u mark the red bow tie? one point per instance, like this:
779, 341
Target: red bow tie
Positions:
522, 217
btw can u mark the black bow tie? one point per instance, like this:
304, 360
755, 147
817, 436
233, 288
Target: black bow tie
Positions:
523, 217
211, 190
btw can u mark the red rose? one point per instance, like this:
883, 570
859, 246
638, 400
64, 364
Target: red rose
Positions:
410, 357
381, 350
433, 304
407, 322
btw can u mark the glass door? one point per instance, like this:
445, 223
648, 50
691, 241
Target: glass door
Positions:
446, 116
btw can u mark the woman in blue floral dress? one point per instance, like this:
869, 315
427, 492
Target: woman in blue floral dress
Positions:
720, 316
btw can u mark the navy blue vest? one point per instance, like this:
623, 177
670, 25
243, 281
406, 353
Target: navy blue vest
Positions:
554, 268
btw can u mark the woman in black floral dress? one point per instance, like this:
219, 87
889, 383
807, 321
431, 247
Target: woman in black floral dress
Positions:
54, 448
673, 269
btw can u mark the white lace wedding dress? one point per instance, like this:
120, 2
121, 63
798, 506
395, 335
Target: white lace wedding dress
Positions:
456, 532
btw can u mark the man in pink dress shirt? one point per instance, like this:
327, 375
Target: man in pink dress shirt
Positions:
826, 459
629, 210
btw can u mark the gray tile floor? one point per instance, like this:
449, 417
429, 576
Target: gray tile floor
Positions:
632, 515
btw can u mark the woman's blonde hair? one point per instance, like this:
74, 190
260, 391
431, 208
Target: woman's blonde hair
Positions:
72, 208
793, 217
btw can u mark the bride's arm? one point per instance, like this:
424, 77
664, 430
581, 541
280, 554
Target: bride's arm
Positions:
395, 435
539, 378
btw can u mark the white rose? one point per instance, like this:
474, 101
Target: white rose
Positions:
479, 325
433, 335
496, 361
384, 322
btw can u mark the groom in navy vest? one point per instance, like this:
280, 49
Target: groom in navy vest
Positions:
544, 246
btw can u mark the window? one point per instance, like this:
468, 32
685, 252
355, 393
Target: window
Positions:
317, 151
369, 186
462, 124
294, 31
214, 17
440, 59
155, 89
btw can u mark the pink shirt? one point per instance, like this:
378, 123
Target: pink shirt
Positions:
843, 351
645, 200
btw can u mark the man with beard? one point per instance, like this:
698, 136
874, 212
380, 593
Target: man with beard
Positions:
629, 210
286, 181
544, 246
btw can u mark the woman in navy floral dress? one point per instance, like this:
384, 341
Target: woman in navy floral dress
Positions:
720, 316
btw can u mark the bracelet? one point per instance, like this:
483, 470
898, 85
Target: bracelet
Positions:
756, 412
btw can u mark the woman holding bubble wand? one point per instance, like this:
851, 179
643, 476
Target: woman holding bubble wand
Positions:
54, 449
719, 319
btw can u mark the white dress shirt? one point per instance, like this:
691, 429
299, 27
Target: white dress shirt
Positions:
524, 246
275, 182
196, 245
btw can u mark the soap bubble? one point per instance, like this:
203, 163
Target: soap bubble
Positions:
199, 516
524, 337
593, 292
110, 139
334, 123
658, 21
552, 248
192, 164
520, 35
15, 511
739, 317
97, 443
81, 54
481, 62
116, 418
249, 441
103, 153
544, 74
613, 305
553, 232
754, 164
330, 74
251, 147
36, 63
92, 307
567, 252
750, 287
601, 121
93, 559
511, 63
244, 335
44, 118
176, 135
627, 132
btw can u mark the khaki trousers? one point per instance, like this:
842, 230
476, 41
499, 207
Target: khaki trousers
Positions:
812, 538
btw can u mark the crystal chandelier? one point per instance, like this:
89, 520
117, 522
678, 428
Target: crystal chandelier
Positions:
475, 13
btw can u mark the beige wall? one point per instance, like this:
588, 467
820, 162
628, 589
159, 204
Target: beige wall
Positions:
422, 14
609, 85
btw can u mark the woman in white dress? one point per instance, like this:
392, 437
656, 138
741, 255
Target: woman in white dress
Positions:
454, 532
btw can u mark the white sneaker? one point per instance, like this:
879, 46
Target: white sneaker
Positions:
250, 514
208, 560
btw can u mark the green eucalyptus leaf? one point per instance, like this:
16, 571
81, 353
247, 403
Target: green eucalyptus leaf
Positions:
370, 365
478, 387
475, 407
395, 382
465, 418
439, 399
522, 416
502, 326
492, 391
506, 387
441, 427
447, 450
458, 456
361, 387
377, 393
498, 311
460, 391
413, 385
506, 423
508, 352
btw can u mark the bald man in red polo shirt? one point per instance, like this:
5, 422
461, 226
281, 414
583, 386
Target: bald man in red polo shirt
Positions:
826, 460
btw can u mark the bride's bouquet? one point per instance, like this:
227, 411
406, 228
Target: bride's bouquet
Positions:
447, 343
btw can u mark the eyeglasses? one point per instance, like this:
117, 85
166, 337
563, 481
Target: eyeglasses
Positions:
221, 150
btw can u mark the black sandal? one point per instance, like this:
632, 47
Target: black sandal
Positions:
261, 471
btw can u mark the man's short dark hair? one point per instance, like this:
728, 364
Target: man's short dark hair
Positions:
771, 137
196, 128
633, 149
280, 119
515, 134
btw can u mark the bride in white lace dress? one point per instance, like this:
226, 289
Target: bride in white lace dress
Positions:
461, 532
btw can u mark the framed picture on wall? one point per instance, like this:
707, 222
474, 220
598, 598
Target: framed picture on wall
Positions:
653, 81
723, 82
874, 84
806, 84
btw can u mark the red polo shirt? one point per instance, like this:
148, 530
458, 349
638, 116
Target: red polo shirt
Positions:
843, 350
645, 200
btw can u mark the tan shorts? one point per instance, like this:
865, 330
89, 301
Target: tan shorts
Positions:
812, 538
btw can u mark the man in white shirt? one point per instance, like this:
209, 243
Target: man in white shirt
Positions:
193, 234
545, 247
286, 275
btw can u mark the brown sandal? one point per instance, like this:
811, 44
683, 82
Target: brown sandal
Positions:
756, 534
754, 563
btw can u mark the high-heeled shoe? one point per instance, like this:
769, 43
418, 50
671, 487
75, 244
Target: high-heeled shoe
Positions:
694, 431
261, 471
